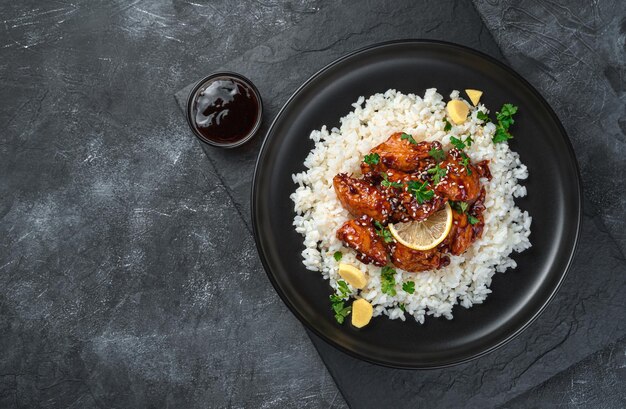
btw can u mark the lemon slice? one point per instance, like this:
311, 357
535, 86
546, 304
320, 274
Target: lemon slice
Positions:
426, 234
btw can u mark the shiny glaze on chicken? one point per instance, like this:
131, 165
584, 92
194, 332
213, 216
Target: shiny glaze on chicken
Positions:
361, 198
383, 195
360, 235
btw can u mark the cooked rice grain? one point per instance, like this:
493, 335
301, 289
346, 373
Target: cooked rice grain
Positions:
319, 214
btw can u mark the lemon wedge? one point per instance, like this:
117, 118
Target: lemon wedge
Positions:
353, 276
426, 234
362, 312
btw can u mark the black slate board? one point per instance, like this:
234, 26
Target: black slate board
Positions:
575, 51
584, 317
595, 382
516, 298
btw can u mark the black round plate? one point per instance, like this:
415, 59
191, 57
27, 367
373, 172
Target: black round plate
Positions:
553, 201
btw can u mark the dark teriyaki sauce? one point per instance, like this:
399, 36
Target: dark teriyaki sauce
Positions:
225, 110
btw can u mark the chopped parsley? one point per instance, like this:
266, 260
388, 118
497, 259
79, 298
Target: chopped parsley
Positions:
343, 287
383, 232
505, 120
447, 126
386, 183
337, 301
505, 116
437, 172
401, 306
437, 154
338, 255
460, 207
501, 135
472, 220
420, 191
388, 281
480, 115
408, 138
457, 143
465, 162
372, 159
341, 311
409, 287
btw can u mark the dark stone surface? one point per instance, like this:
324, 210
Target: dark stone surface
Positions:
595, 382
566, 335
127, 277
281, 64
574, 52
586, 315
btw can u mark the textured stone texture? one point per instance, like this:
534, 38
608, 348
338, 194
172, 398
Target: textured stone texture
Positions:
596, 382
565, 334
127, 278
586, 315
279, 66
574, 52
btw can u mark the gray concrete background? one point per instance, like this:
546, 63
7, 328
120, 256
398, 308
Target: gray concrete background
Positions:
127, 277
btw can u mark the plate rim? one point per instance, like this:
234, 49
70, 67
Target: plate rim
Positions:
546, 107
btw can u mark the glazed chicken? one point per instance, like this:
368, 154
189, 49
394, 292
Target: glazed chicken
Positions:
387, 193
415, 260
400, 154
461, 182
361, 198
463, 233
360, 235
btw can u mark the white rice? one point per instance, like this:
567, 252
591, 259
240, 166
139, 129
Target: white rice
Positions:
467, 279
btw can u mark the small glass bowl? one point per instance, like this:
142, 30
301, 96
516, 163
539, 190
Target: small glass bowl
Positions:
202, 84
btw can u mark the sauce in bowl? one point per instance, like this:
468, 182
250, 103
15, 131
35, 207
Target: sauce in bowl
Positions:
224, 110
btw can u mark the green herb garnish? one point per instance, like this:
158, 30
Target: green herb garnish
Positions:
401, 306
505, 120
343, 287
409, 287
420, 191
338, 303
501, 135
480, 115
383, 232
447, 126
343, 292
338, 255
457, 143
437, 154
341, 311
386, 183
408, 138
388, 281
372, 159
465, 162
438, 173
505, 116
460, 207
